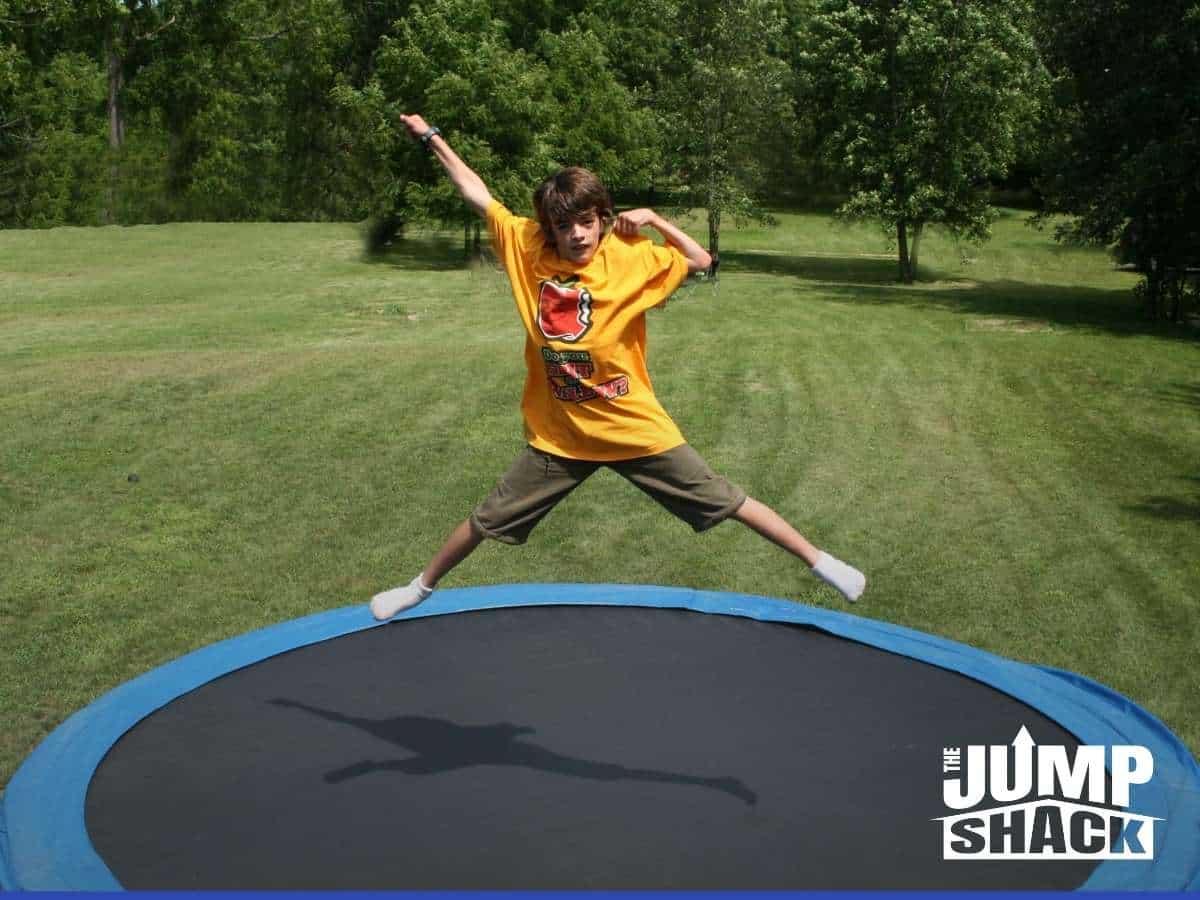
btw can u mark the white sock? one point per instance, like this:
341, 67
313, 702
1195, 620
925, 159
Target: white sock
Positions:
846, 579
389, 603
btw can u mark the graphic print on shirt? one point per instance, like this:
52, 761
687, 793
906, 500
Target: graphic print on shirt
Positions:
564, 310
566, 370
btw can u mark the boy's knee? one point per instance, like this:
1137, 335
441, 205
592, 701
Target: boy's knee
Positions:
512, 536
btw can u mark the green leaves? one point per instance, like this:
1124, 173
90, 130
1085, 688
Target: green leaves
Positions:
51, 139
451, 62
726, 98
515, 113
920, 105
1123, 146
599, 124
286, 108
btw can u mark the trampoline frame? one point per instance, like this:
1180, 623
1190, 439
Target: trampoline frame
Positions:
44, 843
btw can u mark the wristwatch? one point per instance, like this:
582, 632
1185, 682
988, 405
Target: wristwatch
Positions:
428, 136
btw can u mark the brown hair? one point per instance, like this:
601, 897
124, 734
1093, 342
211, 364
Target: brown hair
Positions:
569, 194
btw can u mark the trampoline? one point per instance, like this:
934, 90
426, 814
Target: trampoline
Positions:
530, 737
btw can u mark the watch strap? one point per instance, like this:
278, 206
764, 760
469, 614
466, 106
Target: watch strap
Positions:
428, 135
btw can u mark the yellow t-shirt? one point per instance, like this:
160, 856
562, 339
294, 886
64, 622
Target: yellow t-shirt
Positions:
587, 392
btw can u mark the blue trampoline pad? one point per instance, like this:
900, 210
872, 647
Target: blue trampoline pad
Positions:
594, 737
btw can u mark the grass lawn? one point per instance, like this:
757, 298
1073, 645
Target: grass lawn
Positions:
1007, 450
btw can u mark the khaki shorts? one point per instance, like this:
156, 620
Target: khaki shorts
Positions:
679, 479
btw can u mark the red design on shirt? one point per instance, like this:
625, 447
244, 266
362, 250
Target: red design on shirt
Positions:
564, 311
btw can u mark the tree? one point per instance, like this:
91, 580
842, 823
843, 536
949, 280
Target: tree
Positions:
312, 50
127, 30
515, 114
245, 91
1125, 160
451, 61
51, 129
597, 123
919, 104
728, 93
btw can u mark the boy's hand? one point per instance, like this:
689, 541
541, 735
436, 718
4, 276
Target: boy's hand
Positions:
416, 125
631, 222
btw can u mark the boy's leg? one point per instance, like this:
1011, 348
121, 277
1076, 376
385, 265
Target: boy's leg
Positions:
458, 546
682, 481
761, 518
532, 486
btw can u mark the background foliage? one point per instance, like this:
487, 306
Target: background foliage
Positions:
923, 104
1126, 159
908, 113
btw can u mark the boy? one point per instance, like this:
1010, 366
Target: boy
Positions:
582, 295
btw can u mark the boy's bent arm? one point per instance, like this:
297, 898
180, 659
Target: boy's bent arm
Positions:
469, 184
628, 223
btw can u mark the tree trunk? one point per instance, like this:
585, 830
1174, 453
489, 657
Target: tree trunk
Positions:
914, 248
116, 85
1177, 284
906, 272
1154, 284
714, 237
116, 123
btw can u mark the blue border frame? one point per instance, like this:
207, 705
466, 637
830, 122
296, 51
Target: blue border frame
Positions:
44, 843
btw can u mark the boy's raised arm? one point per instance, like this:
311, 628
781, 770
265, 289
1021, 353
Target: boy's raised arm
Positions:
469, 184
629, 223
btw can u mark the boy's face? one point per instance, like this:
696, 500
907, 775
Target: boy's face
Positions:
576, 240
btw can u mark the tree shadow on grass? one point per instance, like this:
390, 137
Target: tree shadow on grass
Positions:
1176, 509
1173, 509
1182, 394
856, 269
425, 252
1000, 305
